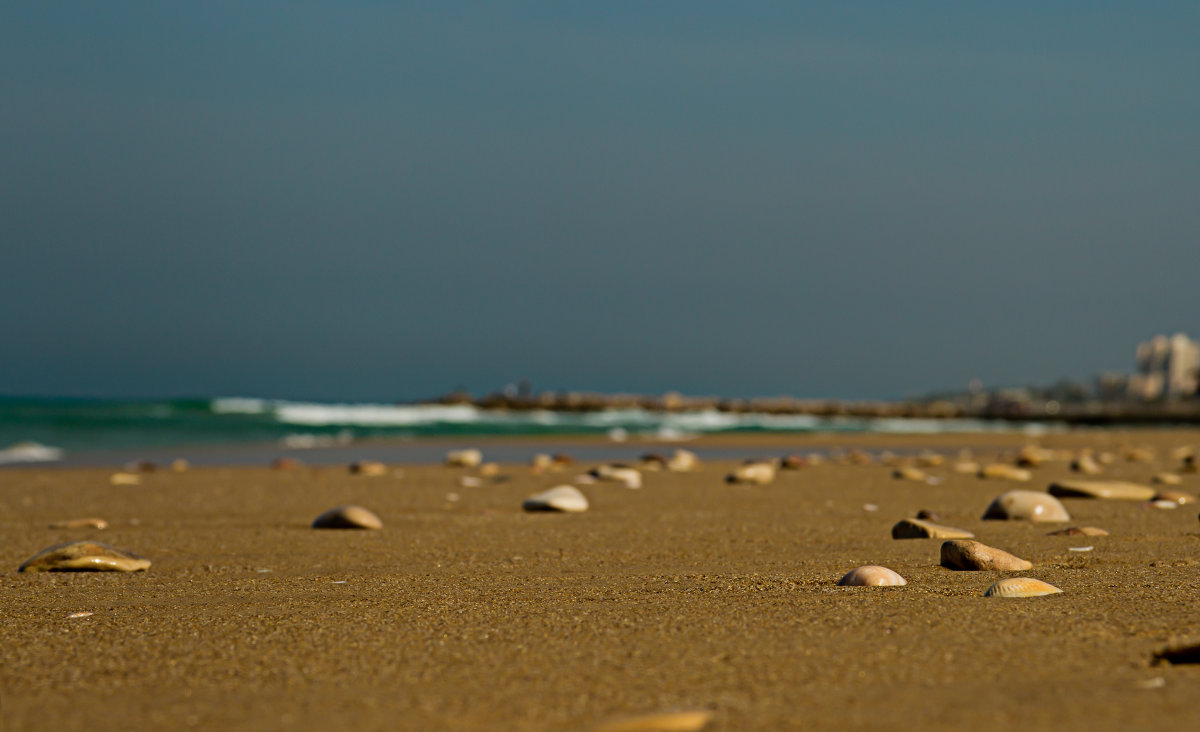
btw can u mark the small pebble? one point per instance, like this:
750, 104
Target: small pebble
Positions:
1079, 548
81, 614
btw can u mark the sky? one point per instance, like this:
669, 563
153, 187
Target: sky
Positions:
389, 200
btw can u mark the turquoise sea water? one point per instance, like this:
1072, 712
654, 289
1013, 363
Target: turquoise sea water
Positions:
73, 425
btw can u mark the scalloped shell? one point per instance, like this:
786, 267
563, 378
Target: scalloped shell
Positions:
1021, 587
347, 517
563, 498
84, 556
871, 575
1027, 506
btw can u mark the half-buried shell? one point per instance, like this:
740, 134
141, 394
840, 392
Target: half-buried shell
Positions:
84, 556
1021, 587
871, 575
1118, 490
563, 498
347, 517
1027, 506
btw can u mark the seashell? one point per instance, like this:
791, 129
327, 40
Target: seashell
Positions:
1026, 506
470, 481
753, 473
286, 463
1166, 479
653, 461
80, 523
1180, 654
1079, 531
1021, 587
1182, 452
1085, 464
1163, 504
1111, 489
927, 459
1032, 456
974, 556
682, 461
906, 473
630, 477
1000, 471
81, 614
871, 576
140, 466
562, 459
792, 462
347, 517
489, 470
368, 468
470, 458
124, 479
563, 498
1138, 454
179, 465
919, 529
1176, 496
84, 556
966, 467
687, 721
541, 462
926, 515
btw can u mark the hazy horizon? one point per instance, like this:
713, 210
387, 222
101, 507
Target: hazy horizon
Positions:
385, 202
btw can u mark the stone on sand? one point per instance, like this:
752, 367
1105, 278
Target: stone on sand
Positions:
563, 498
920, 529
974, 556
1111, 489
347, 517
1026, 506
80, 523
84, 556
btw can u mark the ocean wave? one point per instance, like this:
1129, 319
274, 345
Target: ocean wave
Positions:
30, 452
373, 415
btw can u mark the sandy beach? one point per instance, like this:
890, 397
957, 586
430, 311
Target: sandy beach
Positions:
464, 612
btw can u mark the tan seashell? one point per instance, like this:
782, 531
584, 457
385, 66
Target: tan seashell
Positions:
80, 523
347, 517
179, 465
974, 556
1021, 587
368, 468
920, 529
469, 458
541, 462
563, 498
489, 470
1138, 454
906, 473
688, 721
926, 515
1026, 506
1166, 479
1176, 496
124, 479
1079, 531
625, 475
1116, 490
793, 462
1086, 464
966, 467
926, 459
681, 461
1000, 471
286, 463
752, 473
84, 556
871, 575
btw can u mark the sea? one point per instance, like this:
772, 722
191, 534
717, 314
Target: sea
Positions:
239, 430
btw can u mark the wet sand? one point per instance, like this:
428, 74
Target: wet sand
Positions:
689, 593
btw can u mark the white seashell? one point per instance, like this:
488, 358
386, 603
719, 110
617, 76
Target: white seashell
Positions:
682, 461
753, 473
630, 477
563, 498
1161, 503
1080, 548
470, 458
1021, 587
347, 517
80, 523
81, 614
871, 575
1027, 506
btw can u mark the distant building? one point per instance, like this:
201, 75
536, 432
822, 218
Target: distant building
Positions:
1168, 368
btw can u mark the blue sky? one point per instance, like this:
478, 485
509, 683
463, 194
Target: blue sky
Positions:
388, 200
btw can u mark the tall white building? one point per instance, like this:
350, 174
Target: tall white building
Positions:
1168, 368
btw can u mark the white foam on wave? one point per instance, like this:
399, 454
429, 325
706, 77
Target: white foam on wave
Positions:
30, 452
239, 405
373, 415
